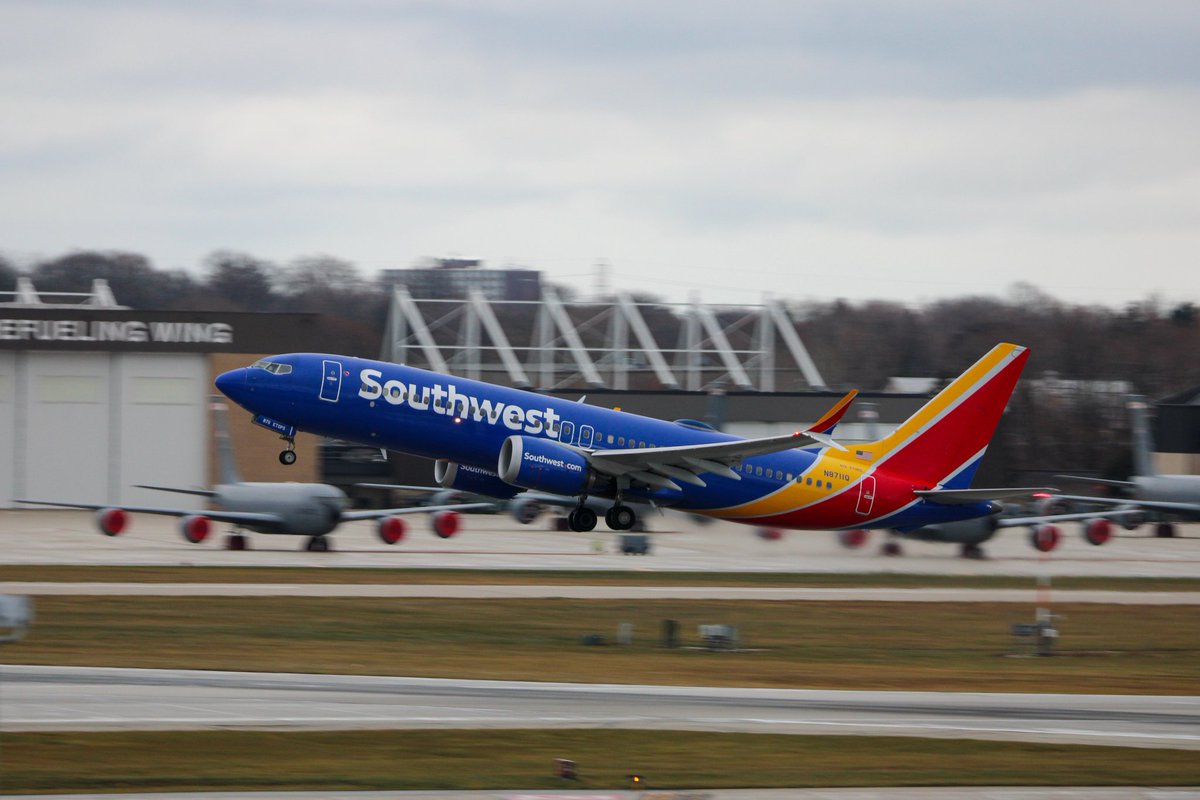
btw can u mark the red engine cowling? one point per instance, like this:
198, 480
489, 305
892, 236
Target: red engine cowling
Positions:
445, 523
112, 521
1045, 537
853, 539
391, 529
195, 528
1097, 531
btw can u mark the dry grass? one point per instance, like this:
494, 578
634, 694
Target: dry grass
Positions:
438, 759
936, 647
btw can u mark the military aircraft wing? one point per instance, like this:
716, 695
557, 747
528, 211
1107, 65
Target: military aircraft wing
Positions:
954, 497
236, 517
380, 513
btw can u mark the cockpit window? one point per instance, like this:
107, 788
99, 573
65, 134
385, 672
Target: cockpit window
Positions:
272, 367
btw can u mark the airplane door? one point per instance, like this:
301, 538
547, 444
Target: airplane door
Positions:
866, 495
331, 380
586, 434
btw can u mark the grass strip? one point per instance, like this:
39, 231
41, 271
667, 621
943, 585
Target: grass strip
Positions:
325, 575
833, 645
525, 759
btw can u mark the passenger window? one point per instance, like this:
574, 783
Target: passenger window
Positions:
810, 481
758, 470
621, 441
610, 438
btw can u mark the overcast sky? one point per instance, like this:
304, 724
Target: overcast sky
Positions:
906, 150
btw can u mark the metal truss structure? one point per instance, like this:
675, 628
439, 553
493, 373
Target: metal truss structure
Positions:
616, 344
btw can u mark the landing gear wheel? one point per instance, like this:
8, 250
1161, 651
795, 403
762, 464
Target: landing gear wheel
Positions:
235, 541
620, 518
1164, 530
973, 551
890, 548
582, 519
317, 544
287, 457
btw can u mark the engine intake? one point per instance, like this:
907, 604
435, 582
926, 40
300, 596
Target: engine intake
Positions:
544, 465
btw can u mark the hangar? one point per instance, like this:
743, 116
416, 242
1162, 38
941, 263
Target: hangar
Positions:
95, 397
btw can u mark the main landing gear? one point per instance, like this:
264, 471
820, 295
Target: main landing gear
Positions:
317, 544
619, 518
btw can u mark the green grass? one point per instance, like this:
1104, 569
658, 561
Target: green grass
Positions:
524, 759
835, 645
205, 574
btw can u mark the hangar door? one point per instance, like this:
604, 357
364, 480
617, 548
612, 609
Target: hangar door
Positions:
87, 426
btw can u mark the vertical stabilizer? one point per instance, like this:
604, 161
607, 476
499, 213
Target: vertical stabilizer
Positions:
943, 442
1143, 447
227, 468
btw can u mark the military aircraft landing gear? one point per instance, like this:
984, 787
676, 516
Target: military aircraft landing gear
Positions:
317, 544
581, 519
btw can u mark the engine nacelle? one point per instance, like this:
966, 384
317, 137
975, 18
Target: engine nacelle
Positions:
1097, 531
963, 531
544, 465
465, 478
195, 528
524, 510
1132, 518
1044, 537
391, 529
853, 539
445, 523
112, 521
1050, 506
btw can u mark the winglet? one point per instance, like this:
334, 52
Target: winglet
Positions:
833, 416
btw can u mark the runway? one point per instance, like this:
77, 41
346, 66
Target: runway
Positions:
87, 698
592, 592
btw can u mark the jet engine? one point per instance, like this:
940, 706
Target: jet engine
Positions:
445, 523
465, 478
195, 528
1097, 531
1044, 537
112, 521
391, 529
853, 539
524, 510
544, 465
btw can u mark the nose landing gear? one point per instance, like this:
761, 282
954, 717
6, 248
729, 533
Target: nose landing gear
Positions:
287, 457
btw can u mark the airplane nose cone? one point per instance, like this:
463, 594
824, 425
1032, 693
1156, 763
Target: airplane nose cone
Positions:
232, 384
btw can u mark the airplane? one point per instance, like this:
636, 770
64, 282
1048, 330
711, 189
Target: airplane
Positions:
1148, 493
511, 439
299, 509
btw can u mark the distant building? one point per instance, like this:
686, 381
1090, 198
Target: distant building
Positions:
452, 278
1177, 432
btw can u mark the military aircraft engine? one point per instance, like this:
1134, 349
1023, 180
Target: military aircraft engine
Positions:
195, 528
1097, 531
1044, 537
853, 539
525, 510
112, 521
445, 523
391, 529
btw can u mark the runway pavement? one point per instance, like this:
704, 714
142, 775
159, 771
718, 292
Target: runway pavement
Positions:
497, 542
86, 698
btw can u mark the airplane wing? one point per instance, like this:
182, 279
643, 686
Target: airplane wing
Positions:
236, 517
380, 513
200, 492
1098, 481
962, 497
662, 466
1012, 522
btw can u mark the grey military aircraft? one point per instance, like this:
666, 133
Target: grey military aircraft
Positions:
1147, 494
298, 509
